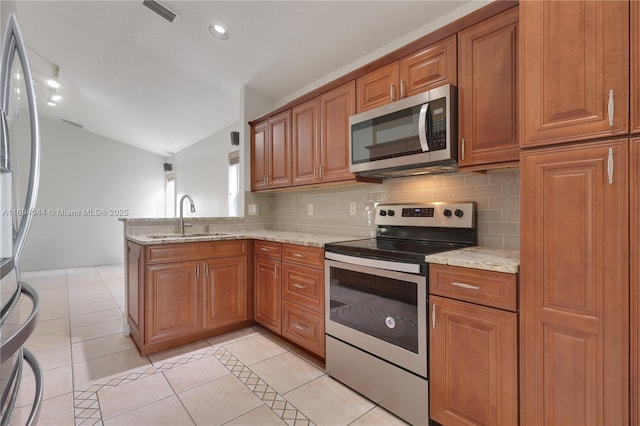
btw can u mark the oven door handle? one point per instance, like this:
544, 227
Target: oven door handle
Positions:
411, 268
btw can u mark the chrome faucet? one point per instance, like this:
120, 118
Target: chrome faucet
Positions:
193, 210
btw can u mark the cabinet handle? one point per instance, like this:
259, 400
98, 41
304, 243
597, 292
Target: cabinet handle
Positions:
197, 271
393, 93
462, 146
467, 286
297, 255
315, 173
611, 107
402, 89
296, 285
206, 270
299, 326
610, 166
275, 271
264, 249
320, 171
433, 315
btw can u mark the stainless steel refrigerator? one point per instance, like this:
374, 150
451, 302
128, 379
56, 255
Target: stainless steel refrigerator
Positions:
19, 174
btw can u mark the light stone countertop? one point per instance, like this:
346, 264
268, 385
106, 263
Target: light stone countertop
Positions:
489, 259
300, 238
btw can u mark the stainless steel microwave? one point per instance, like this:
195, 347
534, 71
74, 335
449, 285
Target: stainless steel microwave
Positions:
415, 135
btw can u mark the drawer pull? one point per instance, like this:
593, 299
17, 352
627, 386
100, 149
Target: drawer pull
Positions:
298, 255
299, 326
296, 285
467, 286
264, 249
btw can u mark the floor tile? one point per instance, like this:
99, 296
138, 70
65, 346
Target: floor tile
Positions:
255, 349
101, 346
83, 307
118, 400
169, 412
378, 417
54, 411
234, 336
95, 317
100, 370
286, 372
326, 401
92, 331
195, 373
51, 326
219, 401
261, 416
52, 357
57, 382
181, 352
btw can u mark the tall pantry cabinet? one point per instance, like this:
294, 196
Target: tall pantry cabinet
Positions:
634, 167
578, 201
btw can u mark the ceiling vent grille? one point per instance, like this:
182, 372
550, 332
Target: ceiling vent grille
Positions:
160, 10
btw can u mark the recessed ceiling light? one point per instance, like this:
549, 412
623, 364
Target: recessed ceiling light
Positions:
218, 31
53, 83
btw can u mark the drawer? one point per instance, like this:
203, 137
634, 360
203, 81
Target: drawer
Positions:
489, 288
304, 327
305, 255
268, 249
303, 285
180, 252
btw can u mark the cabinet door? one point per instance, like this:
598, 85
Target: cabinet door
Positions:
268, 293
634, 167
259, 156
135, 288
575, 285
378, 87
280, 150
224, 292
172, 301
429, 68
336, 106
473, 364
635, 66
306, 142
575, 54
488, 91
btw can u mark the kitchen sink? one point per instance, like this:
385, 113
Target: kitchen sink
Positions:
184, 236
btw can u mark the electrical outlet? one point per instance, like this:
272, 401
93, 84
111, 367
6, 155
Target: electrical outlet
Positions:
254, 210
310, 209
353, 208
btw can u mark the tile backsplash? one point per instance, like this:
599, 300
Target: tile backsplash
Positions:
496, 193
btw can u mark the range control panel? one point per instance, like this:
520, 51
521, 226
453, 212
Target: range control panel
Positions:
437, 214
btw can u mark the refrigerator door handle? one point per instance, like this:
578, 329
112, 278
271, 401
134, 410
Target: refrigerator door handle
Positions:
4, 142
13, 42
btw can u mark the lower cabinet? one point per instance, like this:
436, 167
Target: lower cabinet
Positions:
289, 293
473, 369
179, 293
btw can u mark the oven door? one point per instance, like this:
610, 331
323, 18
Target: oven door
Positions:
378, 310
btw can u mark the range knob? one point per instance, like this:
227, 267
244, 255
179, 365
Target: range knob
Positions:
459, 213
383, 212
391, 212
447, 212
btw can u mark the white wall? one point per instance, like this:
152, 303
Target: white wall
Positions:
201, 172
82, 170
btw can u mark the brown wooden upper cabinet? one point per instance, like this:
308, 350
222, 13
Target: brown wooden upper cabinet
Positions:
416, 73
635, 67
574, 70
321, 137
488, 91
271, 152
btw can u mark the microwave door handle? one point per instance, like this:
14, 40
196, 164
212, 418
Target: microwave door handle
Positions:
422, 127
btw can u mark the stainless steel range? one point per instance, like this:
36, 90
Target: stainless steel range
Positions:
376, 302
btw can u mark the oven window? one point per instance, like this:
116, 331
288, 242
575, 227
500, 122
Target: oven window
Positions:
381, 307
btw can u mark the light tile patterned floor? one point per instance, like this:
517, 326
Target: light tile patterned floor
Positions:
95, 376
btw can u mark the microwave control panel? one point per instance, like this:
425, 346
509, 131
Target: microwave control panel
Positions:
438, 117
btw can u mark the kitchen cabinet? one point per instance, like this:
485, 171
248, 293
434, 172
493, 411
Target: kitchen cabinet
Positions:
473, 346
428, 68
635, 67
634, 216
321, 137
488, 92
183, 292
268, 289
575, 284
271, 152
574, 70
303, 297
289, 292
